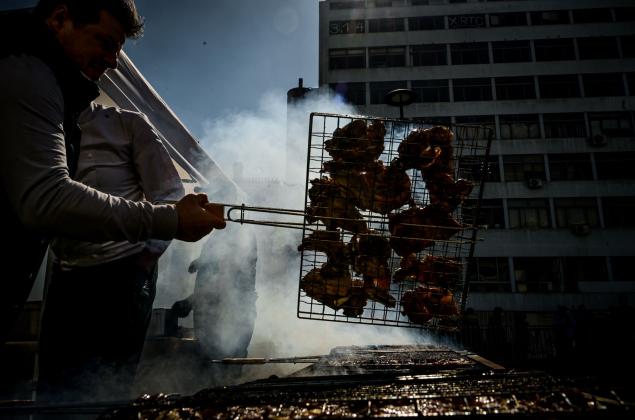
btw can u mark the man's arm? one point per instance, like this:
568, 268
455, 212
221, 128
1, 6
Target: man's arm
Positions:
34, 174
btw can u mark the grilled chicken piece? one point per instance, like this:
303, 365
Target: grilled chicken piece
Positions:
432, 270
329, 284
354, 306
369, 253
357, 142
331, 204
415, 152
446, 193
372, 186
377, 289
417, 228
426, 149
423, 303
328, 242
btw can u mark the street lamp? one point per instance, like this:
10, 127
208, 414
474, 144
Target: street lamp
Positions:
400, 98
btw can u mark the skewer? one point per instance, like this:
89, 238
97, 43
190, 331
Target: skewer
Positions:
262, 360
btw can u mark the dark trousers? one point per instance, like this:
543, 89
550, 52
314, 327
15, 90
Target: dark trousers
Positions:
93, 329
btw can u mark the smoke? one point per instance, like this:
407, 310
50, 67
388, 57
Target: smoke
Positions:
267, 149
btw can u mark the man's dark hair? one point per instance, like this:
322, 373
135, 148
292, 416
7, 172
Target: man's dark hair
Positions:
87, 11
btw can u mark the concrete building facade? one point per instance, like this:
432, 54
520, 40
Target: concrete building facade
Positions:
555, 80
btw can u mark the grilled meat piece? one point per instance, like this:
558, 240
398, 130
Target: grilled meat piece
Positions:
329, 284
354, 306
357, 142
417, 228
377, 289
445, 192
423, 303
426, 149
372, 186
415, 152
369, 253
328, 242
432, 270
331, 204
384, 189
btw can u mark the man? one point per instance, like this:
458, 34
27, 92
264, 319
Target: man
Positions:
100, 296
49, 63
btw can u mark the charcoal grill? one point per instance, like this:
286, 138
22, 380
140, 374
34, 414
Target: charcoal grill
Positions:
471, 145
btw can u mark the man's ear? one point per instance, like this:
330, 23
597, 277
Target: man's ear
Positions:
58, 18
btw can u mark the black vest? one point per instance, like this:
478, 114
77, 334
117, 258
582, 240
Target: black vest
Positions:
21, 34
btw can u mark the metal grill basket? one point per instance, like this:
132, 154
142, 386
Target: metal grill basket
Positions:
340, 273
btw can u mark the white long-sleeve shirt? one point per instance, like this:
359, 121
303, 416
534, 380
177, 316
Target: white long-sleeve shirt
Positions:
121, 154
34, 173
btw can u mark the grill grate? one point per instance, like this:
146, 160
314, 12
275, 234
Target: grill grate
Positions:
348, 270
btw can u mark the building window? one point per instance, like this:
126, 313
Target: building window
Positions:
489, 275
552, 17
577, 269
378, 90
424, 23
511, 51
559, 86
469, 53
338, 5
387, 57
570, 167
628, 46
491, 214
537, 274
476, 168
386, 25
379, 3
570, 124
466, 21
519, 87
605, 84
622, 268
572, 212
523, 167
486, 121
592, 15
341, 27
598, 47
429, 55
610, 124
431, 90
554, 49
508, 19
618, 212
472, 89
625, 14
522, 126
354, 58
615, 165
352, 93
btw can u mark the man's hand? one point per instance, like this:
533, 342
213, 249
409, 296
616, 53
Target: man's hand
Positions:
198, 217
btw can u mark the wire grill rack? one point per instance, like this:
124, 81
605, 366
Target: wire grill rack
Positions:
344, 292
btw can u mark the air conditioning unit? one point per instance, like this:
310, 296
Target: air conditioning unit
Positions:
581, 229
534, 183
598, 140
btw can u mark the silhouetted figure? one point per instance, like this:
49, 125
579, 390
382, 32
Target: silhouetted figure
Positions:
521, 338
583, 337
496, 336
471, 331
564, 335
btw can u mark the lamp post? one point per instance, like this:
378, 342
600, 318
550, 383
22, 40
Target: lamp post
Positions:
400, 98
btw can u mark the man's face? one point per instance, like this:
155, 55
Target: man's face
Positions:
93, 47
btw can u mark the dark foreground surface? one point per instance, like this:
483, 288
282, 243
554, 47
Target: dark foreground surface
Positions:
390, 382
